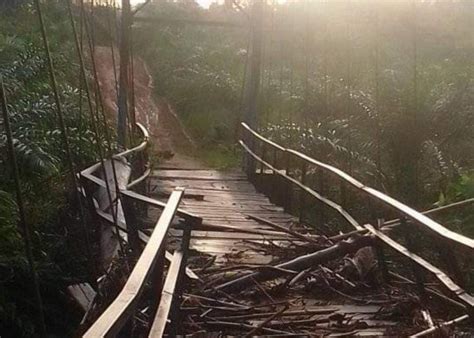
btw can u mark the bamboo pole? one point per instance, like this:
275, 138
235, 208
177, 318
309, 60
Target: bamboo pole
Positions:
25, 227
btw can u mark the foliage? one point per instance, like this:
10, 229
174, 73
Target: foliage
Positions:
43, 167
382, 90
198, 68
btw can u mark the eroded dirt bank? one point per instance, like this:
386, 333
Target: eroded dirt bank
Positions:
168, 136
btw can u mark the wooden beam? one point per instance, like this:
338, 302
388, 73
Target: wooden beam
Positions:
168, 296
117, 314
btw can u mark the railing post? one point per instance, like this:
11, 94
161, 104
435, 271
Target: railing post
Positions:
131, 220
304, 168
250, 161
289, 187
452, 264
274, 183
174, 311
343, 192
381, 254
420, 280
322, 215
264, 150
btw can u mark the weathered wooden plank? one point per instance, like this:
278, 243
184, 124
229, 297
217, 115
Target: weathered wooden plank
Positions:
200, 175
83, 294
233, 235
168, 295
116, 315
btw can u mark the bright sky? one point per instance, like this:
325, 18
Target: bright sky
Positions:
202, 3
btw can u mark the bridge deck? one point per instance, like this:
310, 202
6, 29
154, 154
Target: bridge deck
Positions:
227, 199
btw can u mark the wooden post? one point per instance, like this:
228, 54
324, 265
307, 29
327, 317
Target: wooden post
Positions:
381, 254
289, 186
252, 80
304, 167
175, 309
410, 243
452, 264
343, 191
322, 216
130, 214
274, 191
124, 76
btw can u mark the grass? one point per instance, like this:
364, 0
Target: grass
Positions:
220, 157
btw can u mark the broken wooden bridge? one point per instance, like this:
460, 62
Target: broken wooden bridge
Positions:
288, 246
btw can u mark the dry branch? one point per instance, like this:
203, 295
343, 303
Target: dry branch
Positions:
300, 263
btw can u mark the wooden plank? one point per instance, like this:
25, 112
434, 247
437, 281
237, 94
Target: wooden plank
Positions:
440, 275
232, 235
145, 238
168, 295
83, 294
200, 175
220, 186
116, 315
221, 205
162, 205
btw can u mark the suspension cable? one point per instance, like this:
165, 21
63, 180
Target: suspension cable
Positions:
93, 120
65, 139
349, 84
26, 228
112, 33
378, 137
325, 59
116, 78
131, 111
270, 53
99, 103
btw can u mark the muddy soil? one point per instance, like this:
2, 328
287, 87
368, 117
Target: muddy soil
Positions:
170, 140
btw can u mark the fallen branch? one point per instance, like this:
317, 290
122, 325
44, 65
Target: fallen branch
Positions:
282, 228
243, 326
266, 321
300, 263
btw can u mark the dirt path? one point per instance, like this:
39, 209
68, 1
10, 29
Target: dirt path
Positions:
169, 138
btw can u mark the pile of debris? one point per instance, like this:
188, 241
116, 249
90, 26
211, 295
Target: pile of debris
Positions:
312, 285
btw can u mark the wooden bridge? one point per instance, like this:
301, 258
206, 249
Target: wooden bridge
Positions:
286, 246
233, 253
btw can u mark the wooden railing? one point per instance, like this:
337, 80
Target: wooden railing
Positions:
150, 265
291, 168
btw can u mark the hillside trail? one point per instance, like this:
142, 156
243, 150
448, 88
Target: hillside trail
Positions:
170, 141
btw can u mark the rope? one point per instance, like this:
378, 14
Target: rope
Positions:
65, 139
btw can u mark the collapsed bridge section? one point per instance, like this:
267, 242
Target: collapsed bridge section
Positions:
258, 268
